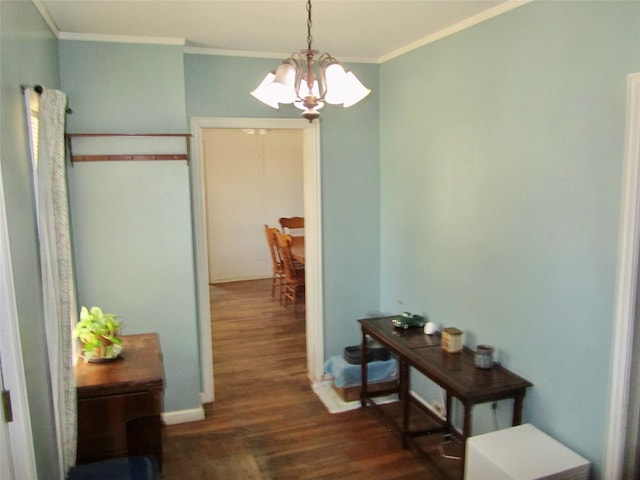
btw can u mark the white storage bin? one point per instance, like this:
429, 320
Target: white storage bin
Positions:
522, 453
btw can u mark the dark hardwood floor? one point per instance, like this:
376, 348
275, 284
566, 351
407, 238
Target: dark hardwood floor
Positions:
266, 423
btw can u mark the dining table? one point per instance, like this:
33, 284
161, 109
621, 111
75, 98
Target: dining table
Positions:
297, 248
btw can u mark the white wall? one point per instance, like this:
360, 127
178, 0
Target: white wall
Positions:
252, 179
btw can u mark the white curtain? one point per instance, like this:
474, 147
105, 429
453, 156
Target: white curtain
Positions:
60, 311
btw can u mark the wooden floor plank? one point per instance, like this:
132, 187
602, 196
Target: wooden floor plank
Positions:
266, 423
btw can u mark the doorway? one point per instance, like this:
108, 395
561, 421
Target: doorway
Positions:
252, 178
621, 454
17, 455
313, 242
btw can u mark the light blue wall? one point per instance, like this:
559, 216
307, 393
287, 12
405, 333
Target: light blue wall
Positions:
491, 197
132, 220
219, 87
124, 88
28, 56
105, 99
501, 156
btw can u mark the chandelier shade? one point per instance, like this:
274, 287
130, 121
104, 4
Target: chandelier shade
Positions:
309, 79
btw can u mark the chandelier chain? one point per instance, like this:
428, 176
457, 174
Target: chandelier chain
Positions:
309, 24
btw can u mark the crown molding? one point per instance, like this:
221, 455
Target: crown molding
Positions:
252, 54
233, 53
45, 15
91, 37
470, 22
455, 28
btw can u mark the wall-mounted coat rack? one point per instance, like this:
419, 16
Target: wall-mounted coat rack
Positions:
128, 157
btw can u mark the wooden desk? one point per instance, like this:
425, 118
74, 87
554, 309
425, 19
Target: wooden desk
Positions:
297, 249
456, 373
120, 402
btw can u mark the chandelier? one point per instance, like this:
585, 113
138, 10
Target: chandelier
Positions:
298, 81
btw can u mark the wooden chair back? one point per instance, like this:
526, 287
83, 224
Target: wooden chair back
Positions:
270, 234
293, 274
283, 241
292, 223
276, 262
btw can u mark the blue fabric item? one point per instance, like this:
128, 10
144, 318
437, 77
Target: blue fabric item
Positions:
129, 468
347, 375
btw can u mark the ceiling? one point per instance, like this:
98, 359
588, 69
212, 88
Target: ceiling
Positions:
355, 30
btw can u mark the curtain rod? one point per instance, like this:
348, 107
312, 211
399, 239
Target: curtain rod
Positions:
39, 89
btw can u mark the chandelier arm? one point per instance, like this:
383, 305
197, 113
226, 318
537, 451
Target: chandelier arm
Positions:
324, 61
299, 61
322, 70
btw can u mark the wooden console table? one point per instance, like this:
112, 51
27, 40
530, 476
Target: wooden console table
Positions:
120, 402
456, 373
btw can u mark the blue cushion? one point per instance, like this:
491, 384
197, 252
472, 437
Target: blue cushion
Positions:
128, 468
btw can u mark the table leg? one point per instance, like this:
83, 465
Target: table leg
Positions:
466, 430
518, 400
466, 425
448, 411
363, 370
404, 398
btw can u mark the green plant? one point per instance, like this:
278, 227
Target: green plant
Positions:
98, 334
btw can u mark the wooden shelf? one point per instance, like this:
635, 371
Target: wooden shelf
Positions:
128, 157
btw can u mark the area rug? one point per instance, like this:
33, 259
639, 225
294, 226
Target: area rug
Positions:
325, 392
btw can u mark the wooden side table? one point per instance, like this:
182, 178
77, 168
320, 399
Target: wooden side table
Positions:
456, 373
120, 403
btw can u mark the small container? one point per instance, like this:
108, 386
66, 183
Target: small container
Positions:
429, 328
484, 356
451, 340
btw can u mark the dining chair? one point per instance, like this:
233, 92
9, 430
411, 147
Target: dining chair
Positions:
277, 280
289, 224
293, 272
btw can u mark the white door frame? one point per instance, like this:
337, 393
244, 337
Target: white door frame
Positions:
313, 238
17, 438
626, 289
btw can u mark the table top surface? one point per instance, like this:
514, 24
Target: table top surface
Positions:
138, 366
453, 371
412, 337
297, 248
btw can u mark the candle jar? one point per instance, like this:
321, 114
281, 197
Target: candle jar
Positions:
451, 340
484, 356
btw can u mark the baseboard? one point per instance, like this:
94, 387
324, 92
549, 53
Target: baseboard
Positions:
183, 416
242, 278
426, 404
